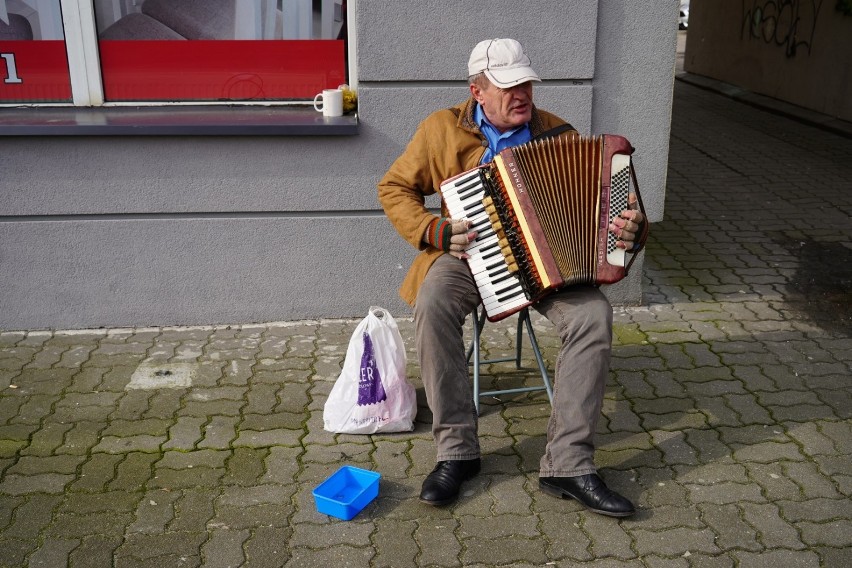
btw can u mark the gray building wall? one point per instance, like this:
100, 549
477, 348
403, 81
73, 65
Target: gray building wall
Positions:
139, 231
796, 52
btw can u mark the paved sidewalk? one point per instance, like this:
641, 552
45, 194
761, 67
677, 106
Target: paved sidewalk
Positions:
726, 419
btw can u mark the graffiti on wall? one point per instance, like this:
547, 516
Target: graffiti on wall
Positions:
787, 24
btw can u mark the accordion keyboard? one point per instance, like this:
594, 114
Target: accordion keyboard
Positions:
500, 290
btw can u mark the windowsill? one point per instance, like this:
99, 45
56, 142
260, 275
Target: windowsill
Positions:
173, 121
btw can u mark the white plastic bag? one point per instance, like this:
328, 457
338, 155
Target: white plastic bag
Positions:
372, 393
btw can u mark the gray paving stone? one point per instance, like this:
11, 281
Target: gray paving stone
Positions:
813, 483
438, 545
224, 548
507, 550
262, 439
31, 516
165, 403
11, 338
671, 421
834, 556
236, 496
193, 509
767, 452
166, 478
154, 512
774, 480
725, 493
273, 421
34, 465
607, 540
732, 532
725, 419
53, 483
13, 551
775, 558
7, 508
818, 510
339, 555
706, 373
157, 427
213, 409
282, 465
219, 432
199, 458
245, 466
267, 546
835, 534
397, 548
75, 526
675, 542
354, 533
133, 471
774, 532
94, 551
83, 503
184, 433
252, 516
122, 444
164, 548
660, 488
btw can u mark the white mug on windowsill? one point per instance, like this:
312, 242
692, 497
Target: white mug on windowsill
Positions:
329, 102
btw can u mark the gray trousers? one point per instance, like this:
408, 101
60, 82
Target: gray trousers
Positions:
583, 318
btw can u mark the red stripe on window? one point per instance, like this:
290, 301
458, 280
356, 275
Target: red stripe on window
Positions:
231, 70
34, 71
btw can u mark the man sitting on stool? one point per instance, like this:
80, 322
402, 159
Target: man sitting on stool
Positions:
499, 114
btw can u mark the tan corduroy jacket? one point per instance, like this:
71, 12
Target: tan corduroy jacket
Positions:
448, 142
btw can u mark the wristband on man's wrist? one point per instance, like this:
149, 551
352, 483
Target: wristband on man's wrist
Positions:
439, 232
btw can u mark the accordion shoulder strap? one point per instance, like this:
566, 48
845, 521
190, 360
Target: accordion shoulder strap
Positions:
555, 131
645, 226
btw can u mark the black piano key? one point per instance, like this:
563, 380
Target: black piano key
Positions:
468, 191
503, 299
481, 225
473, 176
507, 276
507, 288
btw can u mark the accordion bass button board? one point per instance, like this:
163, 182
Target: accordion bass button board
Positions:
542, 211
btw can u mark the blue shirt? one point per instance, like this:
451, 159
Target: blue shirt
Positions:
499, 140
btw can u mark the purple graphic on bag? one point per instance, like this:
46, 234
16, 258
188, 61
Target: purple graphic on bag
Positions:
370, 388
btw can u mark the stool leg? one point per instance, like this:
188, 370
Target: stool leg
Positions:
477, 326
480, 319
524, 315
539, 359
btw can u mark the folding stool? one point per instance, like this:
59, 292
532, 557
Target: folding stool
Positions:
479, 318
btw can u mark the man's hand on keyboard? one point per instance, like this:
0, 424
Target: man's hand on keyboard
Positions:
462, 236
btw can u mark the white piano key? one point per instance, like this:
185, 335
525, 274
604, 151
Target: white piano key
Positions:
494, 309
499, 290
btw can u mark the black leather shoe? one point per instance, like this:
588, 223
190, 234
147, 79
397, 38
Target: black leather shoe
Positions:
590, 491
441, 487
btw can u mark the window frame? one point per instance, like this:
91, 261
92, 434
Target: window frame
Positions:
84, 69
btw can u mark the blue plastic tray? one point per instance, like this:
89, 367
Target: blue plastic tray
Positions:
346, 492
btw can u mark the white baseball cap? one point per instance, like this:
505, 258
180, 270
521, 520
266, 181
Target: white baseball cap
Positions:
503, 62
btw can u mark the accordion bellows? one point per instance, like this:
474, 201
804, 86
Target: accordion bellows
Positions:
542, 212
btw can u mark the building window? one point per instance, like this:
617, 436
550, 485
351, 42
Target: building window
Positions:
33, 60
163, 51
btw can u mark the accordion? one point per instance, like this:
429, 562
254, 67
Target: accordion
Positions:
542, 211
